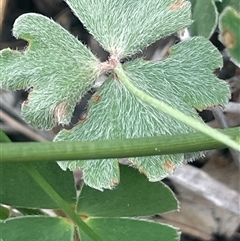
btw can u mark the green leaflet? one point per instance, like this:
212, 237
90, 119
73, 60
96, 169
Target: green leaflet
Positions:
151, 198
110, 213
18, 186
124, 27
100, 208
131, 229
228, 3
229, 23
4, 137
58, 67
28, 228
19, 190
114, 113
205, 16
4, 212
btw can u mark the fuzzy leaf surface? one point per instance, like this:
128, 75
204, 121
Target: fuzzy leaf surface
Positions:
55, 64
184, 80
205, 16
229, 23
127, 26
124, 229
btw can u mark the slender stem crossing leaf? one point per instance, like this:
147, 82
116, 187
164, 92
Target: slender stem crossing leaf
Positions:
84, 150
61, 202
139, 99
160, 105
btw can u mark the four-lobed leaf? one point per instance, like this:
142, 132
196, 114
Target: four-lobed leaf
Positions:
114, 113
55, 66
60, 70
134, 197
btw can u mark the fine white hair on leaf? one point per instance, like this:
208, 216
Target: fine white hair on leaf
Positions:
118, 114
58, 67
128, 26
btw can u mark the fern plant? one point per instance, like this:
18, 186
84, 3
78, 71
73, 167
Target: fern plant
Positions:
138, 99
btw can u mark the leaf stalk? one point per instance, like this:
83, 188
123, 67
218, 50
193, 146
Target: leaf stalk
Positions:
178, 115
60, 202
102, 149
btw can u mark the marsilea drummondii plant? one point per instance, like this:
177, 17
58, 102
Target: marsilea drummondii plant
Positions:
60, 70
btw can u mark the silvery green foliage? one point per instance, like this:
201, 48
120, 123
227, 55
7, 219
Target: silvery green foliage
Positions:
58, 67
98, 174
60, 70
184, 80
128, 26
